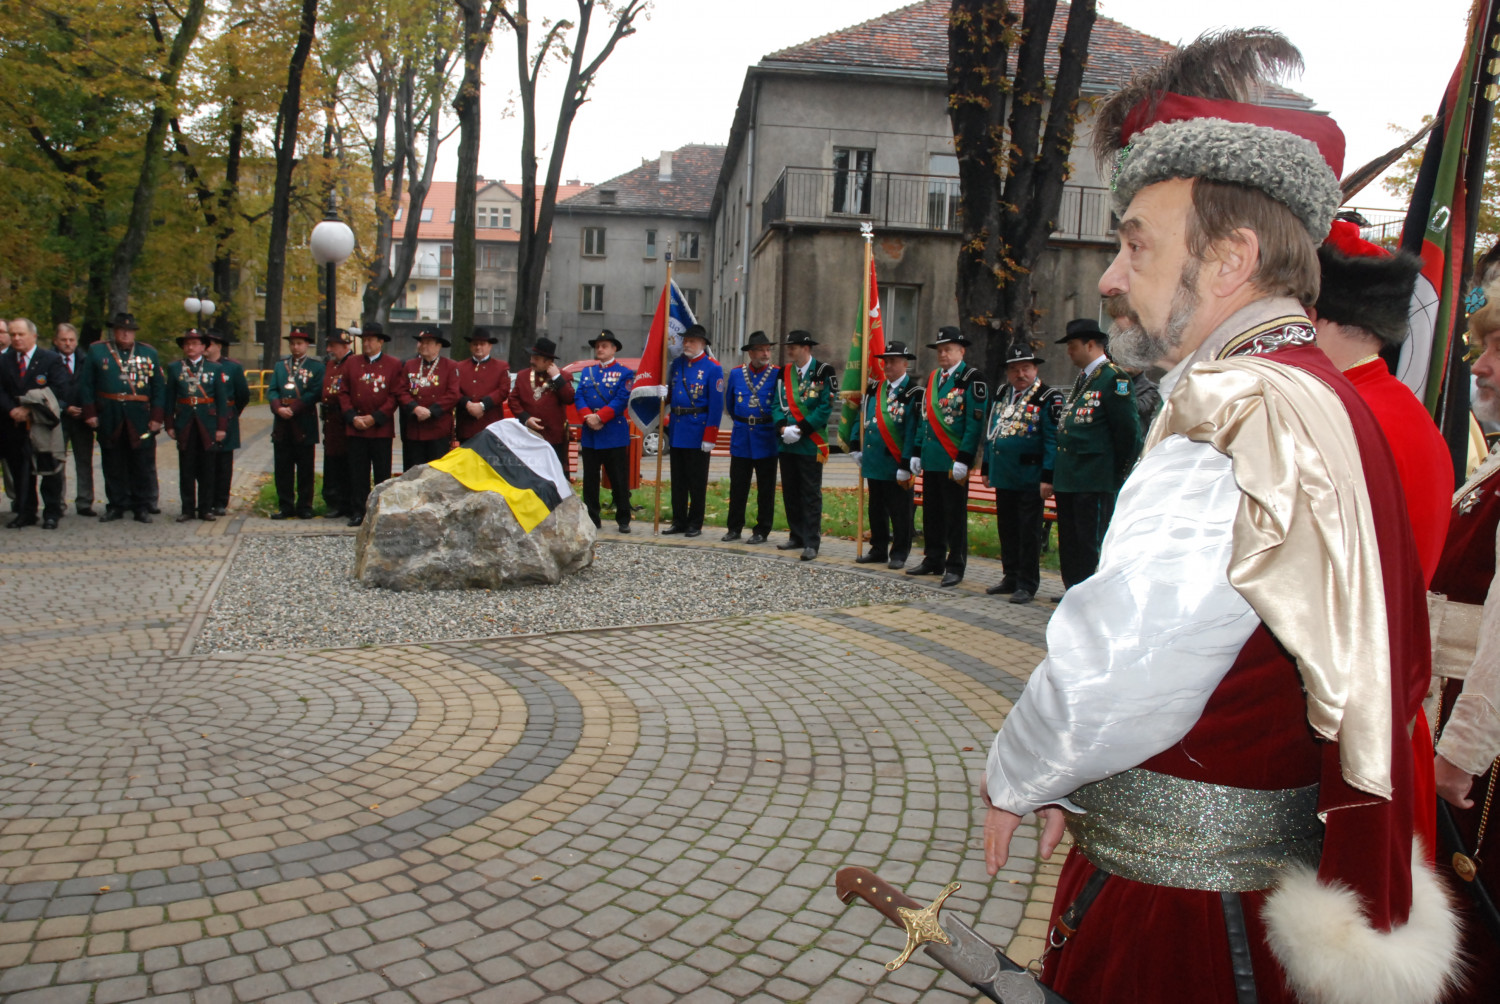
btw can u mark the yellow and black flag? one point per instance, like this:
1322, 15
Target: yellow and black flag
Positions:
519, 466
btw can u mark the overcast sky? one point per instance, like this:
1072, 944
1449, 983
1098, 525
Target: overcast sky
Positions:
677, 80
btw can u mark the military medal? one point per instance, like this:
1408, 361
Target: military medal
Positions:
1470, 500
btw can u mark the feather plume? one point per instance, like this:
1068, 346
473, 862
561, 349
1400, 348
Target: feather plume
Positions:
1236, 64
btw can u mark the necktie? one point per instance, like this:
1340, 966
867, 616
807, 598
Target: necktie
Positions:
70, 362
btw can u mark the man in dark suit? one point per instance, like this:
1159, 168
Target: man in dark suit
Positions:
27, 368
80, 437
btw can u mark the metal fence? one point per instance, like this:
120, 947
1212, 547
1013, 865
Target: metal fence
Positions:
889, 199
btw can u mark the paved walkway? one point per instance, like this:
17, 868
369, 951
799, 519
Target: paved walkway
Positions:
639, 814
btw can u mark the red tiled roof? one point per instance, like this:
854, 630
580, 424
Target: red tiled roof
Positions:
442, 196
695, 170
915, 39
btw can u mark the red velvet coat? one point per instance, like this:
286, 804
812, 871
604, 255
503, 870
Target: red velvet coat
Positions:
1165, 945
371, 388
549, 402
487, 382
438, 391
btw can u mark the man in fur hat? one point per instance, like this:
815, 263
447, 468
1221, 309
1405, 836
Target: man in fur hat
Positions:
1222, 717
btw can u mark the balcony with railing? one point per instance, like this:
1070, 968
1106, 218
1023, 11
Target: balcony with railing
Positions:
891, 200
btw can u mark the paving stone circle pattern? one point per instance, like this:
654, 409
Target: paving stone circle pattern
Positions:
642, 814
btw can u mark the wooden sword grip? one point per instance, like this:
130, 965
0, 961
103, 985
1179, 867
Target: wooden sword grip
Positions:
861, 882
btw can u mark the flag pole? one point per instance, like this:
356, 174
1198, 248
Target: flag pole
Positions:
661, 413
867, 231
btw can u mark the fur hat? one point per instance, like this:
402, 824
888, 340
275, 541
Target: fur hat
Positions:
1193, 116
1483, 302
1364, 285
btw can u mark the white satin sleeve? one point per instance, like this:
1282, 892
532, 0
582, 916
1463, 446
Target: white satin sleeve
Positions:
1135, 650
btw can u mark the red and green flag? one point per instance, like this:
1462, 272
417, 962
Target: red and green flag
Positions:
850, 391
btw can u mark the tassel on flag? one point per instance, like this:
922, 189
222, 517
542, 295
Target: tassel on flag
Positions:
667, 325
850, 389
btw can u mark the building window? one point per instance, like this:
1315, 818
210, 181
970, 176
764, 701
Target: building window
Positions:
851, 180
606, 196
591, 299
546, 303
445, 303
489, 256
426, 215
593, 242
691, 296
505, 219
502, 303
445, 260
650, 243
397, 217
481, 301
649, 296
488, 217
687, 245
898, 313
942, 191
453, 216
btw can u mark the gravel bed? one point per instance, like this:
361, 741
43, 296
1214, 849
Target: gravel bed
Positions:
296, 592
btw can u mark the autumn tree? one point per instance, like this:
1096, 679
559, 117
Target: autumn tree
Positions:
1403, 179
1013, 131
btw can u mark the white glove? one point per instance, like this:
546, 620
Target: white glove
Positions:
658, 391
856, 455
916, 466
790, 434
707, 447
903, 475
960, 471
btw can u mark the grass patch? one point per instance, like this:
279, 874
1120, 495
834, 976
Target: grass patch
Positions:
266, 502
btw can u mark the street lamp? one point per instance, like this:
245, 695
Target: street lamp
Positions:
332, 242
199, 305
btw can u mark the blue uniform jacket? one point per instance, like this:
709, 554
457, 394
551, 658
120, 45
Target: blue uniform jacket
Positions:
695, 393
749, 397
604, 391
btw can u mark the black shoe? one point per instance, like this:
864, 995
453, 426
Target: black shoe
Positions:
304, 514
790, 545
50, 523
896, 563
674, 528
355, 521
154, 510
624, 527
809, 553
924, 569
283, 514
694, 532
207, 516
1021, 596
186, 517
756, 538
1007, 584
950, 579
144, 516
86, 510
110, 515
20, 522
219, 510
334, 514
732, 535
869, 558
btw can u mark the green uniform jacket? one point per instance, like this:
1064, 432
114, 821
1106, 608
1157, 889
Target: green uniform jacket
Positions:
109, 375
876, 461
1021, 438
1099, 434
960, 399
198, 398
815, 398
232, 375
297, 388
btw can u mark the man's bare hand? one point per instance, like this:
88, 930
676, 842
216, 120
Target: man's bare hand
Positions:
534, 424
363, 421
171, 433
74, 411
284, 412
219, 436
552, 371
1453, 783
153, 426
422, 412
1046, 490
19, 414
1000, 827
594, 422
92, 423
475, 408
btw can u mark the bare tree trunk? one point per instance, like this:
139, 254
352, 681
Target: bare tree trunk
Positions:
479, 23
285, 145
134, 238
1011, 178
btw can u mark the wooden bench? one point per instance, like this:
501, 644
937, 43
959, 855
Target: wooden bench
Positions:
982, 499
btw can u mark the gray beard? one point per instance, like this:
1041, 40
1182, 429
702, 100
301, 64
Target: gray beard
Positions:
1487, 409
1133, 347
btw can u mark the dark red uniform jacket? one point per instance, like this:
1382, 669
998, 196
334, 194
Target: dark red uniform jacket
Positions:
548, 402
371, 388
488, 382
333, 418
433, 386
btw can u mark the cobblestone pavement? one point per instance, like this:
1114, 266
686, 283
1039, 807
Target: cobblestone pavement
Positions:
647, 814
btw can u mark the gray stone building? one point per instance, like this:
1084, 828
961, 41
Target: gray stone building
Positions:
608, 250
853, 127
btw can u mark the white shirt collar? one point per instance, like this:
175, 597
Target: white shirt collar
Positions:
375, 356
951, 369
1088, 370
